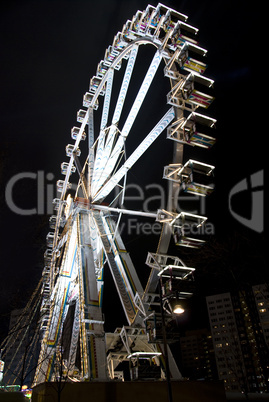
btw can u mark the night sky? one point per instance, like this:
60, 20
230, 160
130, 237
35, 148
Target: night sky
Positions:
49, 52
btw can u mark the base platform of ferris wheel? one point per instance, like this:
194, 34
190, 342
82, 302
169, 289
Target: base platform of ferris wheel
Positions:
131, 391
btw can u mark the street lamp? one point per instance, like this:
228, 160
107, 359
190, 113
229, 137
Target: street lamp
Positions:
172, 301
177, 305
178, 309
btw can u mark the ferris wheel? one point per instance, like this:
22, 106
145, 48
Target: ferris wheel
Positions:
85, 232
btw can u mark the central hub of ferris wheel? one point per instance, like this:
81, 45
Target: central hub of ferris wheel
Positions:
86, 238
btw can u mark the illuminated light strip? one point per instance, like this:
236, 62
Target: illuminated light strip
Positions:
89, 301
142, 93
176, 268
103, 174
133, 113
123, 211
124, 274
52, 342
96, 246
91, 128
119, 279
191, 161
145, 144
93, 237
91, 142
67, 273
97, 170
102, 158
125, 84
149, 354
109, 83
202, 116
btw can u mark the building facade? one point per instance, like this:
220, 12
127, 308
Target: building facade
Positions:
261, 295
197, 355
238, 321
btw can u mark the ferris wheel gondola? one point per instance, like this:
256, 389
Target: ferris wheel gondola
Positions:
86, 233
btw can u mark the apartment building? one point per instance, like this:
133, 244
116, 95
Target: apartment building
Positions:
197, 355
239, 339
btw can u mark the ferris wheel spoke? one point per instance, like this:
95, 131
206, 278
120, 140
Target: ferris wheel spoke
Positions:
91, 142
115, 153
97, 169
125, 85
120, 263
98, 256
145, 144
142, 93
113, 130
109, 83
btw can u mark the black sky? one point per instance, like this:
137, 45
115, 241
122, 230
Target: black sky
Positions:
49, 52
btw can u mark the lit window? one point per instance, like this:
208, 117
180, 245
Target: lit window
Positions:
262, 310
